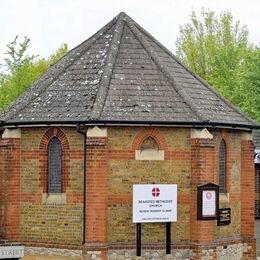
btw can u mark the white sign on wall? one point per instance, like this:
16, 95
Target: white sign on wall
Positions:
209, 203
154, 203
11, 252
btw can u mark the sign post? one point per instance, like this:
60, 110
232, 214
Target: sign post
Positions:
138, 239
168, 238
154, 203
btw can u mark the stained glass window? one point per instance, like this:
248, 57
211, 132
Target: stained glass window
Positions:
222, 167
55, 166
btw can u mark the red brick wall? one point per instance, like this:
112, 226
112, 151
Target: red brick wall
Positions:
187, 162
248, 194
43, 221
96, 209
202, 172
10, 188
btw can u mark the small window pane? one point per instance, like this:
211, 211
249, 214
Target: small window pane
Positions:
222, 167
149, 143
55, 160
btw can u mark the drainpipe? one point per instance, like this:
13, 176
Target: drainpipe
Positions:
84, 181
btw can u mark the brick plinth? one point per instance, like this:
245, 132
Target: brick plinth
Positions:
10, 188
202, 162
247, 202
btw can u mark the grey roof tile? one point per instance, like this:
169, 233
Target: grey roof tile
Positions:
121, 73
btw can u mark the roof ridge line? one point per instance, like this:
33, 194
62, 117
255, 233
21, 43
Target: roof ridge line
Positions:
201, 80
46, 79
164, 70
108, 69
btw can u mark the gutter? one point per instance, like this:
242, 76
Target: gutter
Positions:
84, 182
130, 123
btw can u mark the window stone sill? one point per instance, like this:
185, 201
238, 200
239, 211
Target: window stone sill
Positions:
224, 197
149, 155
54, 198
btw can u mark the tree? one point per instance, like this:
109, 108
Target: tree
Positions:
22, 69
217, 49
250, 84
17, 57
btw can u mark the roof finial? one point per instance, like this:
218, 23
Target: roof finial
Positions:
122, 15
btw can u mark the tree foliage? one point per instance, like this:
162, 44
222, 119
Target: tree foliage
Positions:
218, 50
22, 69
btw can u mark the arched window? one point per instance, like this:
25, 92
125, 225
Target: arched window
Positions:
222, 167
54, 166
149, 144
149, 150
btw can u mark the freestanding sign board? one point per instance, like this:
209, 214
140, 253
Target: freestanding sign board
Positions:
154, 203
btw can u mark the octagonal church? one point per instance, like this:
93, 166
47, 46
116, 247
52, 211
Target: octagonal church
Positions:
119, 110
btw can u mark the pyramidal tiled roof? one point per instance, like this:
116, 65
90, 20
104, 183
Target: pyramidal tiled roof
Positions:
122, 74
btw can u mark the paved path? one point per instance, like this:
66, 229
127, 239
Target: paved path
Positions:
257, 235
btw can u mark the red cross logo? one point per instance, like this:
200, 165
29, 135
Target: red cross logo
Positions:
155, 192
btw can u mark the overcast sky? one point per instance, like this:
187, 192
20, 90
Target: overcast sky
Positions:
49, 23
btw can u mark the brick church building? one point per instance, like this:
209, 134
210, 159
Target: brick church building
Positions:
118, 110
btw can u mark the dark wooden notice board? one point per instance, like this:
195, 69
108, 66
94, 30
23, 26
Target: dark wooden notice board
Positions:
205, 202
224, 216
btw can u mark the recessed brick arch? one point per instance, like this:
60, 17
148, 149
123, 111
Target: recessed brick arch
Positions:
43, 148
54, 132
149, 132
